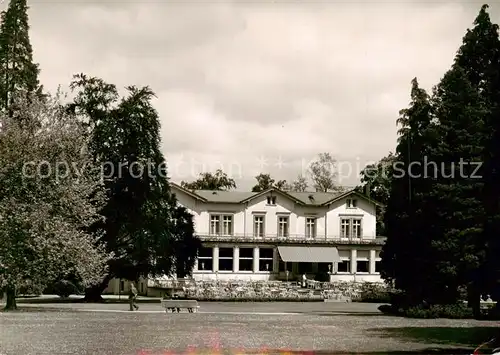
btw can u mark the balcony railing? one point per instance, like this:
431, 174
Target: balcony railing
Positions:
291, 238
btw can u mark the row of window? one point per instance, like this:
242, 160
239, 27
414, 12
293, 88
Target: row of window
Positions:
226, 259
246, 257
221, 224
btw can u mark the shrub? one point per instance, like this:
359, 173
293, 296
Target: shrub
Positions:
374, 293
452, 311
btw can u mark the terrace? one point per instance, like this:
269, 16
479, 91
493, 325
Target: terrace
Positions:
292, 238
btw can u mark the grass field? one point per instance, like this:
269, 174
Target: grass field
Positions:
232, 329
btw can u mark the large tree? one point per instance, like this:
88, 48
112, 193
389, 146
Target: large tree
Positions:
144, 226
456, 186
50, 193
323, 173
211, 181
18, 72
407, 209
479, 58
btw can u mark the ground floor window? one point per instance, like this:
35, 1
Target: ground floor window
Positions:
266, 259
378, 266
362, 266
344, 266
205, 259
246, 259
226, 259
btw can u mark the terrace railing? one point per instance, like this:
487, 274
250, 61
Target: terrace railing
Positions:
292, 238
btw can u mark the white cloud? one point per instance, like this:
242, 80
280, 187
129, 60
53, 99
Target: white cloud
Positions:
236, 81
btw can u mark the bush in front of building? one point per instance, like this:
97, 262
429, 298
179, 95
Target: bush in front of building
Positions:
374, 293
452, 311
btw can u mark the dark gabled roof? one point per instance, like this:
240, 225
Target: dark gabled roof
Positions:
224, 196
272, 189
302, 198
348, 193
188, 192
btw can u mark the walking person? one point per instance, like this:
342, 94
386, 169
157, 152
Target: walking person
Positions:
132, 297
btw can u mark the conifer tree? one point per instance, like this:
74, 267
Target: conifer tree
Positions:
18, 72
404, 254
456, 189
479, 56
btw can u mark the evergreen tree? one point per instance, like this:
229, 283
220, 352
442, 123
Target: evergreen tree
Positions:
479, 56
456, 187
18, 72
404, 256
144, 227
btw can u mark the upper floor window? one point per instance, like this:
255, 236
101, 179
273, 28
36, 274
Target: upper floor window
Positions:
310, 227
350, 228
352, 203
283, 226
271, 200
258, 226
221, 224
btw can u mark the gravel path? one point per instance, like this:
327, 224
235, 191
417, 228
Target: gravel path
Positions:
319, 327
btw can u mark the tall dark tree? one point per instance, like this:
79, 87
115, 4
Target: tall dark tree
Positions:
185, 241
18, 72
407, 239
479, 58
143, 226
457, 183
211, 181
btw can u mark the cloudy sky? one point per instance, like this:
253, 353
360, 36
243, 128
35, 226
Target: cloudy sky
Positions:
258, 86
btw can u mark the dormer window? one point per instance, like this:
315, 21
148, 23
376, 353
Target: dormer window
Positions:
271, 200
352, 203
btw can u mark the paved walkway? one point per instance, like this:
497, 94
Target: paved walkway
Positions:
225, 307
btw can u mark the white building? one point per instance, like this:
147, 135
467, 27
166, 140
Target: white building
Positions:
259, 236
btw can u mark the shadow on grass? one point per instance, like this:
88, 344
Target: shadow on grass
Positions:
59, 300
470, 337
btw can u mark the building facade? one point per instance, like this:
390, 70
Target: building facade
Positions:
261, 236
276, 235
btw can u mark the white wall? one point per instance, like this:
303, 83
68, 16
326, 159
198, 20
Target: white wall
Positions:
364, 209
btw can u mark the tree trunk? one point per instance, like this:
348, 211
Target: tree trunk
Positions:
93, 294
11, 298
474, 300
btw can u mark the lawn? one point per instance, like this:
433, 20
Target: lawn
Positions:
231, 329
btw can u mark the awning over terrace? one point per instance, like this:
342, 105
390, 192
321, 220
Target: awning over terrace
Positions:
303, 254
